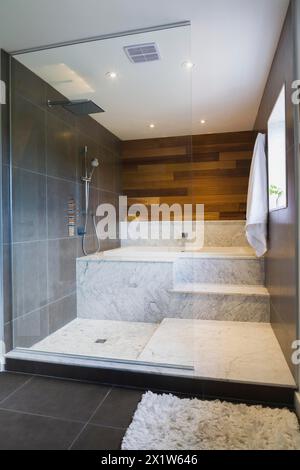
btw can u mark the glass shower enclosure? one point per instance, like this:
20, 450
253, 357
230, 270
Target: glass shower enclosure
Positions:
101, 150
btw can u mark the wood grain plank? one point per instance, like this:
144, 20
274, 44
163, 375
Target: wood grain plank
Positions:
218, 199
156, 192
244, 155
210, 169
155, 152
130, 178
236, 172
168, 167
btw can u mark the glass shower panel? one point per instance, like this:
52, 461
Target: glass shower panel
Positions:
101, 171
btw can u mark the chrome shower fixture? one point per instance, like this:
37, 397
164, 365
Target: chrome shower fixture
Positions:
78, 107
87, 179
94, 164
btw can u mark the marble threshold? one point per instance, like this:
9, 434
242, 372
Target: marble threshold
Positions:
245, 352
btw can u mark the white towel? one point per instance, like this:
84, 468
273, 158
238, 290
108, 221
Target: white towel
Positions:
257, 201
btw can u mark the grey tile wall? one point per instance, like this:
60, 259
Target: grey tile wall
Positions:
28, 135
281, 259
29, 263
29, 198
47, 162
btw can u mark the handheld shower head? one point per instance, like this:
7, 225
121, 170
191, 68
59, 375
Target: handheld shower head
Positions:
93, 165
95, 162
87, 179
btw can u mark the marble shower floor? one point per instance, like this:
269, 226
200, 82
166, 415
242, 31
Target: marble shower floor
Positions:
123, 340
246, 352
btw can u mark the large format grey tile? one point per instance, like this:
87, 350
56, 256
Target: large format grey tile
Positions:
118, 408
28, 135
8, 337
29, 206
59, 193
90, 245
109, 244
62, 312
61, 149
99, 438
109, 140
19, 431
57, 398
28, 84
106, 176
6, 216
94, 197
9, 383
29, 277
31, 328
7, 285
61, 267
89, 127
59, 111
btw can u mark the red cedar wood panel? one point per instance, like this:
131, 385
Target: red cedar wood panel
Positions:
212, 169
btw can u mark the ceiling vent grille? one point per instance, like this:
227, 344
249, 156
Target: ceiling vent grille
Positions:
140, 53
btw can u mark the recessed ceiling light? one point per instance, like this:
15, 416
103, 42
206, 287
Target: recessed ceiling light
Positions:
188, 64
203, 121
111, 75
152, 125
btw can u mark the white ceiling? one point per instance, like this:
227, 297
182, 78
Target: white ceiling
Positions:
232, 44
155, 92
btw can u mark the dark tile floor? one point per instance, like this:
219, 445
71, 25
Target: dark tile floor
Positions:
45, 413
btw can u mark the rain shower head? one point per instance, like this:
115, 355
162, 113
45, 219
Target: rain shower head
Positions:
78, 107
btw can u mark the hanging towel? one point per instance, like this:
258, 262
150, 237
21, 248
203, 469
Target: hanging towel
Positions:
257, 200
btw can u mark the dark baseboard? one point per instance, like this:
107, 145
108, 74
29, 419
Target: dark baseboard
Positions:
193, 387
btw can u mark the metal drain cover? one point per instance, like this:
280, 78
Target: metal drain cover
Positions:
100, 341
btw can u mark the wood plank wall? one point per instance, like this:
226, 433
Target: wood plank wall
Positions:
210, 169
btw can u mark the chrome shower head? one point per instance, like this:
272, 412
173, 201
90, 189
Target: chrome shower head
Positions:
87, 178
95, 162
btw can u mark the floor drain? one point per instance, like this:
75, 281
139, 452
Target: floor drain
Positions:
100, 341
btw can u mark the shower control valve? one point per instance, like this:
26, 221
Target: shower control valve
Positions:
81, 231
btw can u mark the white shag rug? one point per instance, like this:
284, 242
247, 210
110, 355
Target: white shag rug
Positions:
165, 422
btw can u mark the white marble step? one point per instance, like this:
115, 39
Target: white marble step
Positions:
221, 289
224, 350
226, 302
219, 271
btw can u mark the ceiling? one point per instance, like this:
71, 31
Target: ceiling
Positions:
232, 44
157, 93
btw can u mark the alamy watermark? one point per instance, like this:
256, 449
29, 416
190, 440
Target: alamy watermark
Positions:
296, 93
159, 222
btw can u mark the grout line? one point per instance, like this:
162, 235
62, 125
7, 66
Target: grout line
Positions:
20, 317
119, 428
44, 240
91, 417
74, 181
12, 410
16, 390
